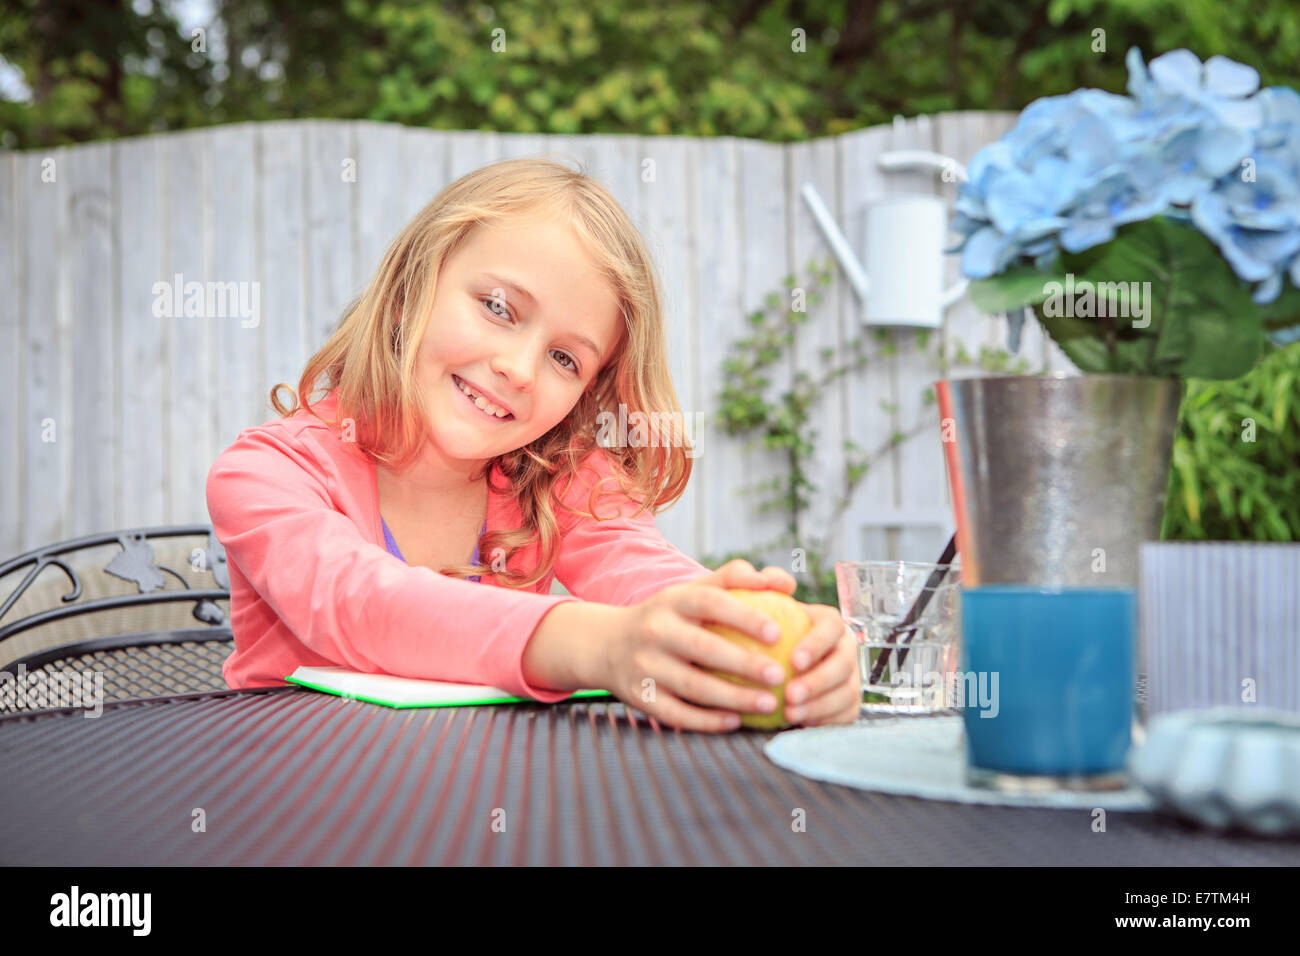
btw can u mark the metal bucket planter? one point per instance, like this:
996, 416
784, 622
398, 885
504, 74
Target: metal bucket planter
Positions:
1057, 480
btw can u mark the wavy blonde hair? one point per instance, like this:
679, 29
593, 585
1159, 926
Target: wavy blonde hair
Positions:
370, 358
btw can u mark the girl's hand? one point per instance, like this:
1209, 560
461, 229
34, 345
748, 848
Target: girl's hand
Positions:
741, 574
827, 687
654, 659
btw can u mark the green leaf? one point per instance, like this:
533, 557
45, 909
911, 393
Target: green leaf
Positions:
1281, 395
1077, 338
1018, 286
1198, 319
1284, 311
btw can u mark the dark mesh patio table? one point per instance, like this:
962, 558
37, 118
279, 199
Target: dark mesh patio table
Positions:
288, 777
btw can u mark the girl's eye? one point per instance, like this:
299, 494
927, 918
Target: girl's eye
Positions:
489, 302
492, 302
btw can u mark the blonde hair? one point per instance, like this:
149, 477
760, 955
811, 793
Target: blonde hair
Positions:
370, 358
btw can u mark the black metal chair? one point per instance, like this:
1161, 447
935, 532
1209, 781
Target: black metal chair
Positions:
138, 641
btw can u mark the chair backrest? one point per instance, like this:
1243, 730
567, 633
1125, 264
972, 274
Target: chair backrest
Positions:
123, 609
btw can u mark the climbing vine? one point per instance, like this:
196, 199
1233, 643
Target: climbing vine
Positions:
782, 425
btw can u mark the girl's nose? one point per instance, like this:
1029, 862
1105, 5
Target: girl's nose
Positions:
515, 370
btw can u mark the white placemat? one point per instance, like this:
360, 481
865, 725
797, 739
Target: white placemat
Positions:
916, 757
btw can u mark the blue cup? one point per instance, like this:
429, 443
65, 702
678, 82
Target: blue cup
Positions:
1047, 689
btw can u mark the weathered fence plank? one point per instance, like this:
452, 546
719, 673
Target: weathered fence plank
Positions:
140, 353
46, 453
13, 425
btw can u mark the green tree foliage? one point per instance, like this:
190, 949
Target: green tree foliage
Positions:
764, 69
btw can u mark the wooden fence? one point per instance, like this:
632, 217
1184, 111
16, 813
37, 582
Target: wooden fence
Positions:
114, 414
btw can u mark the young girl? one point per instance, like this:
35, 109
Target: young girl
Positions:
462, 395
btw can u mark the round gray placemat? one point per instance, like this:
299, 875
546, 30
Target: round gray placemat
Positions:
916, 758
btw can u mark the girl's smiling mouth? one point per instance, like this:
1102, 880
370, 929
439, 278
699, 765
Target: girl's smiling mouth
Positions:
482, 410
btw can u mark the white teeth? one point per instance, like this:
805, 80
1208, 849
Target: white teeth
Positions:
482, 402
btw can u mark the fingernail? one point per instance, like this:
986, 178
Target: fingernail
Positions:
797, 695
767, 702
800, 660
774, 674
794, 714
771, 631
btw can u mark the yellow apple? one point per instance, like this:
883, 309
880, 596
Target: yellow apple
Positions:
795, 624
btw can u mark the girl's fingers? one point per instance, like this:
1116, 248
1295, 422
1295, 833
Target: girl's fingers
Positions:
841, 705
832, 687
827, 631
713, 605
735, 574
681, 715
827, 675
779, 579
849, 715
739, 573
667, 699
699, 686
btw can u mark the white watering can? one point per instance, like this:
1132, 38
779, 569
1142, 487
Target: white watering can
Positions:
905, 238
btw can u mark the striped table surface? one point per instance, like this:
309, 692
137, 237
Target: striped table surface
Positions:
292, 777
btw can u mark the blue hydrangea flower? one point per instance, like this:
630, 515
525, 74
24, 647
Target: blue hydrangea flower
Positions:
1198, 142
1220, 86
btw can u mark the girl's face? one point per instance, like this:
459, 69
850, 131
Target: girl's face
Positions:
522, 318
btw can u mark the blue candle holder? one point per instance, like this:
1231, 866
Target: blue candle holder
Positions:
1047, 689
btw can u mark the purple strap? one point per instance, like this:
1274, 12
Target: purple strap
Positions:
393, 550
389, 542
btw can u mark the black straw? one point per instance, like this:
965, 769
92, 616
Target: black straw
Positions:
908, 624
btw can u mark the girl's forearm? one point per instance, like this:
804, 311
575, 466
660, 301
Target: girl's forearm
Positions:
568, 648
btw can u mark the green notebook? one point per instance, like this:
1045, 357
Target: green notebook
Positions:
409, 691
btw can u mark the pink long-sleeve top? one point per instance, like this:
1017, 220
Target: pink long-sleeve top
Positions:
311, 583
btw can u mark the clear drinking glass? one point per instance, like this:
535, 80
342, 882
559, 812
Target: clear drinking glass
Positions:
907, 665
